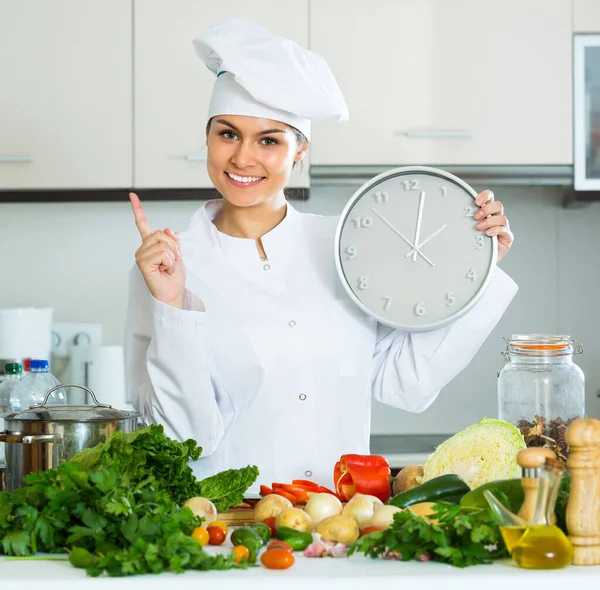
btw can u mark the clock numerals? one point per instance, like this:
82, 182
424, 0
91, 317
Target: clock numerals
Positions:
362, 222
363, 283
450, 299
387, 301
472, 274
419, 308
411, 185
351, 252
381, 197
444, 191
469, 211
480, 242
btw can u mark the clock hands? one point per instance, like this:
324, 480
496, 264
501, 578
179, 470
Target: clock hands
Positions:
416, 248
400, 234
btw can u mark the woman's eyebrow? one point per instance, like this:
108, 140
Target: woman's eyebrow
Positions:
266, 132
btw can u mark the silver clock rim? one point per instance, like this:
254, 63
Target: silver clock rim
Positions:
338, 262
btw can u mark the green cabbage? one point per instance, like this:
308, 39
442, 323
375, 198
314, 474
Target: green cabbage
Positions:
480, 453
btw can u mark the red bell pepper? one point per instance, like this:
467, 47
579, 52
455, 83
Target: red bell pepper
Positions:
364, 474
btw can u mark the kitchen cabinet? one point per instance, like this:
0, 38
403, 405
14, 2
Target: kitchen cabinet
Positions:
173, 86
65, 94
438, 82
586, 16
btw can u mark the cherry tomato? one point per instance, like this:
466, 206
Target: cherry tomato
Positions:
280, 545
370, 529
270, 522
201, 535
277, 559
221, 525
216, 535
241, 553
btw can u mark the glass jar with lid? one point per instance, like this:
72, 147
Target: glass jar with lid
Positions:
540, 389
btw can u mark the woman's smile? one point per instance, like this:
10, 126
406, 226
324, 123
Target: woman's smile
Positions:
241, 181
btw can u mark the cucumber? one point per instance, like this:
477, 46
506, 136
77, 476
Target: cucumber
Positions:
449, 488
511, 488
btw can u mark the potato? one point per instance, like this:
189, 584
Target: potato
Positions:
407, 479
383, 516
296, 519
339, 528
269, 506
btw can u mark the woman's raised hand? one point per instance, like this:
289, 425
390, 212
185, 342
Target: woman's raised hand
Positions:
159, 259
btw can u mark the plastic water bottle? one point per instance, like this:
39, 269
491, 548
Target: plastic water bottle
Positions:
13, 373
34, 386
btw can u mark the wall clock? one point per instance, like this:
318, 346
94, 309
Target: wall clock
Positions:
407, 249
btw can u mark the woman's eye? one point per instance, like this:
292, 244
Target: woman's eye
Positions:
228, 134
269, 141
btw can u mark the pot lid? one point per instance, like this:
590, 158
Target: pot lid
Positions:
57, 413
98, 413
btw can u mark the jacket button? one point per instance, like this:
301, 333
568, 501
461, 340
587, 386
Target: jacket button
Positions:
302, 396
291, 323
308, 473
267, 266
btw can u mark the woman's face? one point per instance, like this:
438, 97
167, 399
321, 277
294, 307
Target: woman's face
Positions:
250, 159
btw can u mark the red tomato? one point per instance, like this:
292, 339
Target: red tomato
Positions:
270, 522
216, 535
277, 559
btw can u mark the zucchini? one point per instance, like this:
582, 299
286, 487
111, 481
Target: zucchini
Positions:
449, 488
510, 488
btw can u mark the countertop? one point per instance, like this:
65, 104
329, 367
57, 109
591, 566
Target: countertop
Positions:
407, 449
356, 573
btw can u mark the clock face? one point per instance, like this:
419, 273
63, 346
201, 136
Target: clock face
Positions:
408, 251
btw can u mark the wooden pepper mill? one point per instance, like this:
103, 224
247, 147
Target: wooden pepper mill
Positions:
531, 461
583, 507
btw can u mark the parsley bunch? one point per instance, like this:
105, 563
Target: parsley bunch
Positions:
116, 507
461, 536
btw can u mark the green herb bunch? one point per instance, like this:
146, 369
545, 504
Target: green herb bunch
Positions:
461, 536
116, 507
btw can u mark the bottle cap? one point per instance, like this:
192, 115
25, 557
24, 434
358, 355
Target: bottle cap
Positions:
26, 363
13, 369
37, 364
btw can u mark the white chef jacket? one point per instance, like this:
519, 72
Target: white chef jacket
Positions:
271, 363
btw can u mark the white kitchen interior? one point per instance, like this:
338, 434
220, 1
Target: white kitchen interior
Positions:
117, 100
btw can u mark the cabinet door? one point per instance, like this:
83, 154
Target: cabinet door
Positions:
447, 81
586, 16
173, 86
65, 94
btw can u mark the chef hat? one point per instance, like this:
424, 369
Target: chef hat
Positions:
262, 75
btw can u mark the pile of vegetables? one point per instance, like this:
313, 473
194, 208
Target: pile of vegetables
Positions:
118, 507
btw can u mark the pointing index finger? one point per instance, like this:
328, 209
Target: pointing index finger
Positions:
141, 221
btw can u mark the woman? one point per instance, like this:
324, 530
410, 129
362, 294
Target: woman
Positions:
252, 347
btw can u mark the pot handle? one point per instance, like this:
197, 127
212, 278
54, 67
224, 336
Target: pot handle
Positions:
30, 439
64, 386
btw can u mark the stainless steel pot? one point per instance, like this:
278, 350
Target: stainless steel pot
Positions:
42, 436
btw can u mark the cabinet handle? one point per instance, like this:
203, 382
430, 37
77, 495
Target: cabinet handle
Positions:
436, 133
196, 158
16, 159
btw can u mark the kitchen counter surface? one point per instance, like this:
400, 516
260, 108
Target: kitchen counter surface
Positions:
356, 573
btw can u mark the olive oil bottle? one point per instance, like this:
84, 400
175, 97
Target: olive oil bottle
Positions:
543, 545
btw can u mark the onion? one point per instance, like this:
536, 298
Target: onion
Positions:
320, 506
361, 507
270, 505
202, 507
383, 516
294, 518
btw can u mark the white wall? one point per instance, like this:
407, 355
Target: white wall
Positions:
75, 258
